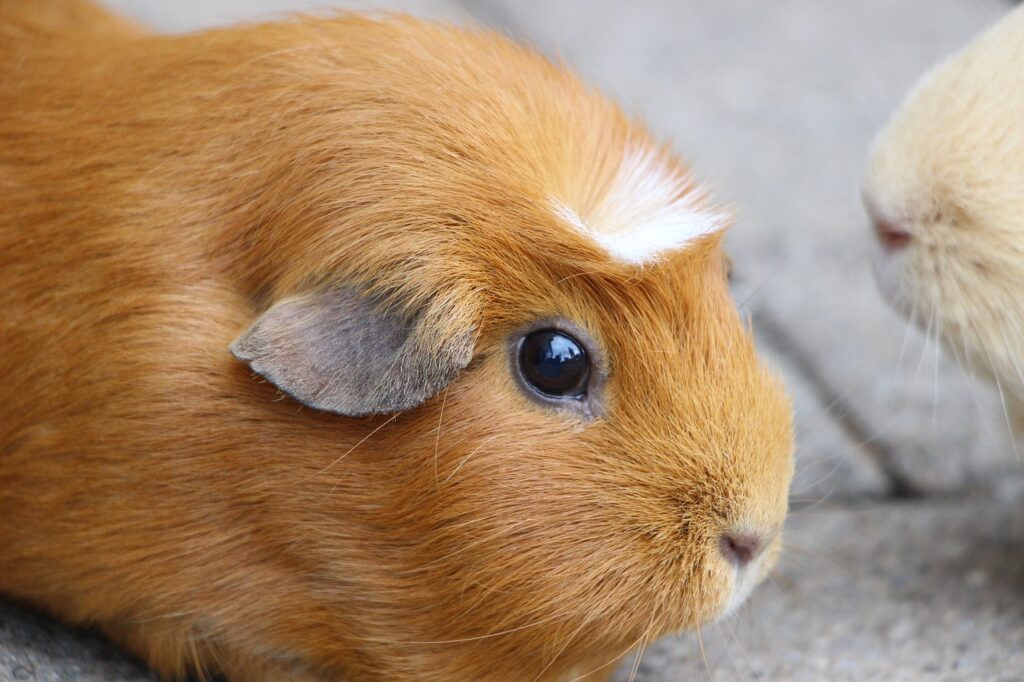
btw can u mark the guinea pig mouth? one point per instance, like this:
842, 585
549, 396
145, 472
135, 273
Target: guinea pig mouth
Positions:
746, 577
889, 280
902, 288
744, 583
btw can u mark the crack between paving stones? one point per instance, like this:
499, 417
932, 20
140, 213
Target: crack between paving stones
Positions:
843, 414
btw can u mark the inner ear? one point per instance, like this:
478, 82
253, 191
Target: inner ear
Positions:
342, 352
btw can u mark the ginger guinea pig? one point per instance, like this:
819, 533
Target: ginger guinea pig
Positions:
945, 190
363, 349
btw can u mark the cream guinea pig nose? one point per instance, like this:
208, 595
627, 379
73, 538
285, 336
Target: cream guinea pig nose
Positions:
890, 235
889, 232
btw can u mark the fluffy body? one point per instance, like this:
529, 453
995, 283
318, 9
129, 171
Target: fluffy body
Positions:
158, 193
949, 170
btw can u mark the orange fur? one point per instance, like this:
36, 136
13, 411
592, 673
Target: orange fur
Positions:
158, 193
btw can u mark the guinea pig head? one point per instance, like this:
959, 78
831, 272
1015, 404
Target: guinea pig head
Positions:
540, 425
943, 190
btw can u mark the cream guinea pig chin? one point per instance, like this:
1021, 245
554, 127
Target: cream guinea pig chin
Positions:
944, 188
363, 349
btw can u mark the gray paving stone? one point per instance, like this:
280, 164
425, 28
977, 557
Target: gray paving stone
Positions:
34, 648
190, 15
831, 464
898, 592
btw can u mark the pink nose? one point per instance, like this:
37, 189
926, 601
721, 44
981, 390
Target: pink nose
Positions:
740, 549
890, 234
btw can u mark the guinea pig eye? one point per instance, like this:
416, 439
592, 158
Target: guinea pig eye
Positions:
555, 364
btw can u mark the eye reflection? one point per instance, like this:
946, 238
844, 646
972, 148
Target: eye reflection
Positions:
555, 364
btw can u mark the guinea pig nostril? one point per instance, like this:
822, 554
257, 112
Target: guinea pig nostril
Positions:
891, 235
740, 549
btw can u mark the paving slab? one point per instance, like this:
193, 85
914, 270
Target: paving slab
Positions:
35, 648
898, 592
832, 463
190, 15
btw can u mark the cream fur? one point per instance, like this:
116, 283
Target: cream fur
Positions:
949, 169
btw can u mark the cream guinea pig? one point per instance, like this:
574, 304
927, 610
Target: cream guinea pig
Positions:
363, 349
945, 190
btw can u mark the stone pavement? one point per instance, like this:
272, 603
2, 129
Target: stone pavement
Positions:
908, 538
892, 592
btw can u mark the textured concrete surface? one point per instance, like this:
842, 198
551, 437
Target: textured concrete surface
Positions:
893, 592
906, 546
37, 649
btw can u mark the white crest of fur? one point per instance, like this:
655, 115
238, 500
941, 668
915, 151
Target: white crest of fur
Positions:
651, 209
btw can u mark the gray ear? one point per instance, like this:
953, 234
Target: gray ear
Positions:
338, 352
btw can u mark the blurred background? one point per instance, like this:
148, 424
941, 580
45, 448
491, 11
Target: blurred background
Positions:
907, 536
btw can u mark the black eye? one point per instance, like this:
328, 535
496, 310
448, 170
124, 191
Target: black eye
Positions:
555, 364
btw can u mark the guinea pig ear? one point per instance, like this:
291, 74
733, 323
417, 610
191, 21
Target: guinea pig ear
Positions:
340, 352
